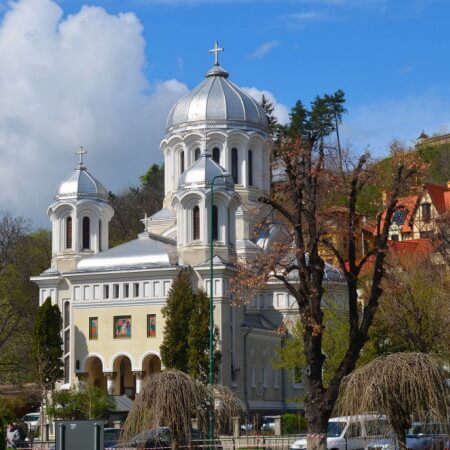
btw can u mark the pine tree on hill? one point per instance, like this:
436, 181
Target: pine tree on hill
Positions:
272, 121
174, 348
198, 340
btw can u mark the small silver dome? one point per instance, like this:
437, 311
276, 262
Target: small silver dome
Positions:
202, 172
216, 103
81, 184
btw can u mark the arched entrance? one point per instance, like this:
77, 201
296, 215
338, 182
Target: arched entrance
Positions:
151, 365
124, 380
94, 371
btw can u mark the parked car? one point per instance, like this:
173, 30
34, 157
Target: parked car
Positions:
111, 436
353, 432
268, 423
247, 427
32, 420
423, 436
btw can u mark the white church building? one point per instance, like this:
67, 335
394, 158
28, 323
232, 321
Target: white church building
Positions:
111, 299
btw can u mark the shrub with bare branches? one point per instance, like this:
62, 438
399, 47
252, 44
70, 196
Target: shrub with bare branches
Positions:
403, 386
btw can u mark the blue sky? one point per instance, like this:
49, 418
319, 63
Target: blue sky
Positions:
104, 75
379, 51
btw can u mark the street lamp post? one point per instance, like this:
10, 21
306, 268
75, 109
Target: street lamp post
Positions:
211, 308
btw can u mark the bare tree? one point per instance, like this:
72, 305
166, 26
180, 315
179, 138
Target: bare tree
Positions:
313, 179
402, 386
172, 398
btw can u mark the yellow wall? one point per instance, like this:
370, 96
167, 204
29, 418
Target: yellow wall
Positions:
109, 347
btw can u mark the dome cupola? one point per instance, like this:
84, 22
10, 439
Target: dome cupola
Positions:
216, 103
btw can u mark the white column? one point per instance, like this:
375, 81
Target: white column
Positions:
110, 383
138, 376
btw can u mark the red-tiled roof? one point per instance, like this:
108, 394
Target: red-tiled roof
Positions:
416, 247
440, 196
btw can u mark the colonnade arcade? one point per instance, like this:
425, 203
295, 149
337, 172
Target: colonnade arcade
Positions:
123, 379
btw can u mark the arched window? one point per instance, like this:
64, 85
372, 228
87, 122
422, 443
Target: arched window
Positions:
181, 162
69, 233
215, 223
66, 314
86, 233
197, 154
196, 223
234, 164
216, 155
99, 235
250, 168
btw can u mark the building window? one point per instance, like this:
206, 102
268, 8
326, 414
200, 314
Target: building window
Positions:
69, 233
151, 325
126, 290
197, 154
106, 291
93, 327
426, 212
86, 233
100, 236
215, 223
250, 168
394, 237
66, 342
122, 327
196, 223
115, 291
253, 376
135, 289
234, 164
181, 162
66, 314
216, 155
67, 370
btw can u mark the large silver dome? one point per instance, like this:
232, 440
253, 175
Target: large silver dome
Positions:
216, 103
81, 184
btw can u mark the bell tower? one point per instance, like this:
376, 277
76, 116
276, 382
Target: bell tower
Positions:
80, 218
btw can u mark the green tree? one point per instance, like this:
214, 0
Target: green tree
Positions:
90, 402
272, 121
198, 340
153, 180
180, 302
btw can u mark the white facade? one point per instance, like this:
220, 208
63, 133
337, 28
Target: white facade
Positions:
111, 299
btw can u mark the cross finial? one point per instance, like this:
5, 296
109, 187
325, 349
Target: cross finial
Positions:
80, 153
216, 50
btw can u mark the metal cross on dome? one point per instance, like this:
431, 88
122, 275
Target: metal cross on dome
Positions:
216, 50
80, 153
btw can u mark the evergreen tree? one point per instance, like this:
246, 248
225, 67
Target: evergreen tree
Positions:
47, 344
272, 121
198, 340
174, 348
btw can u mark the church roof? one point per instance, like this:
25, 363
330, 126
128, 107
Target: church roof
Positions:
81, 184
258, 321
148, 250
202, 172
216, 103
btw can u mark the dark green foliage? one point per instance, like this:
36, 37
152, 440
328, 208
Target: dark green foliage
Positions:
293, 423
438, 157
88, 403
131, 205
320, 120
47, 345
180, 302
198, 340
22, 254
272, 122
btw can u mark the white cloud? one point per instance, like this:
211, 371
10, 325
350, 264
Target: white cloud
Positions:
264, 49
280, 111
70, 82
377, 124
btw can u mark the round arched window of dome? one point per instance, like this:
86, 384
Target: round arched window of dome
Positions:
69, 233
216, 155
215, 223
196, 223
250, 168
234, 164
181, 162
197, 154
86, 233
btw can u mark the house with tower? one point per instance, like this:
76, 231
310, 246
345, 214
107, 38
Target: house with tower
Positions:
111, 299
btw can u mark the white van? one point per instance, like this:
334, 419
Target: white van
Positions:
353, 433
